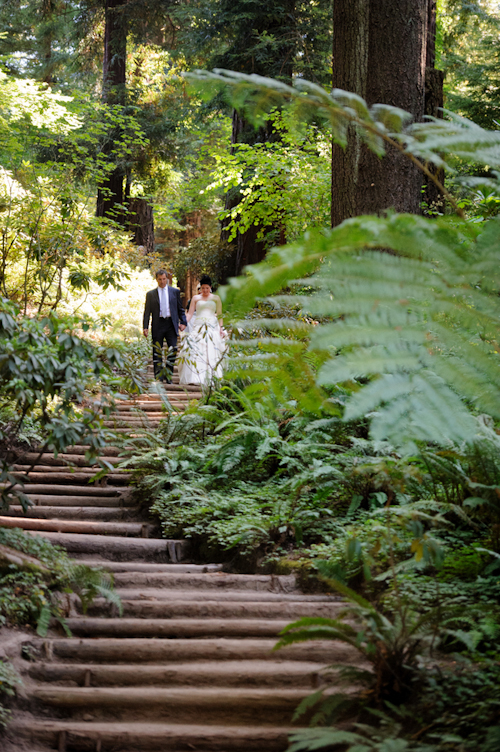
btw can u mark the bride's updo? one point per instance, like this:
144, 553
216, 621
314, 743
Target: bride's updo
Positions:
205, 280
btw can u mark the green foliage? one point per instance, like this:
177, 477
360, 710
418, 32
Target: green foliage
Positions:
206, 255
245, 475
284, 183
36, 596
9, 680
246, 36
469, 39
414, 329
420, 325
452, 711
53, 150
392, 645
45, 369
472, 624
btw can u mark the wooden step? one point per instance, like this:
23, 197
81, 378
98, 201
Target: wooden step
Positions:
117, 547
143, 650
65, 460
89, 489
56, 502
160, 737
135, 529
53, 475
241, 673
94, 513
225, 705
218, 581
146, 608
142, 566
175, 628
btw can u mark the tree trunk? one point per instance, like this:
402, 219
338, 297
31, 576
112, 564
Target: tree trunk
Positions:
350, 67
278, 62
110, 194
46, 38
379, 53
434, 102
115, 53
141, 223
396, 76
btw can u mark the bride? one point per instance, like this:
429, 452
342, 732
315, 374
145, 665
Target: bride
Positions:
203, 343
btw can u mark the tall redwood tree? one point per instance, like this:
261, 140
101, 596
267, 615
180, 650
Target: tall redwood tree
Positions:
111, 193
380, 52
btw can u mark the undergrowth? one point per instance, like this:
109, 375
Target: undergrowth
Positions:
41, 589
9, 680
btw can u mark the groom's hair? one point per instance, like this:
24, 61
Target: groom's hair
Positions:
160, 272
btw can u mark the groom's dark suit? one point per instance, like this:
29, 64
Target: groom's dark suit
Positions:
164, 329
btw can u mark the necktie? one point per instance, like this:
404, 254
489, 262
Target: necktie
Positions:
164, 307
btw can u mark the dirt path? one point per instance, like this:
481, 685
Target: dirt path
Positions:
190, 665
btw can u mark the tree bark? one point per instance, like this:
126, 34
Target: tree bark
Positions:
278, 62
141, 223
350, 67
110, 194
396, 76
47, 11
434, 102
115, 53
379, 53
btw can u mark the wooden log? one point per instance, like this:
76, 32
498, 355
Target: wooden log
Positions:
156, 736
181, 628
115, 547
92, 513
53, 500
77, 460
216, 701
141, 566
215, 581
52, 475
62, 490
73, 526
194, 673
143, 650
142, 608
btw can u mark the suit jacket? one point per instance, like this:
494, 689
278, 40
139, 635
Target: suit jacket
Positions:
152, 309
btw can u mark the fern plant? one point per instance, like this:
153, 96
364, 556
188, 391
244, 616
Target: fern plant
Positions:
414, 334
391, 645
37, 596
413, 331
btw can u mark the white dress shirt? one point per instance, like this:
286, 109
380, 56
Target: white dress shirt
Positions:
164, 302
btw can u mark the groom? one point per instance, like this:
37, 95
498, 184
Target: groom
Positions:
163, 305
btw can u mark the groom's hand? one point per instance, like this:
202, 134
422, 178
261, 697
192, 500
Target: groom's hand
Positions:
182, 327
145, 332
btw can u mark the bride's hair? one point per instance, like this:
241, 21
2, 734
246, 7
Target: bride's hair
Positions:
205, 280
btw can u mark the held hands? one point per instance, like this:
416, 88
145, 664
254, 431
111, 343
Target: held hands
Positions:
145, 332
182, 327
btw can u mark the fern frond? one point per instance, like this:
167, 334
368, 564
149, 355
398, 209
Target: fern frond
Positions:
424, 322
321, 738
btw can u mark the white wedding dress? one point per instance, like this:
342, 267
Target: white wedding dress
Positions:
202, 347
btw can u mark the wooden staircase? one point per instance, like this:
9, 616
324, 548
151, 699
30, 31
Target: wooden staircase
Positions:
190, 665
